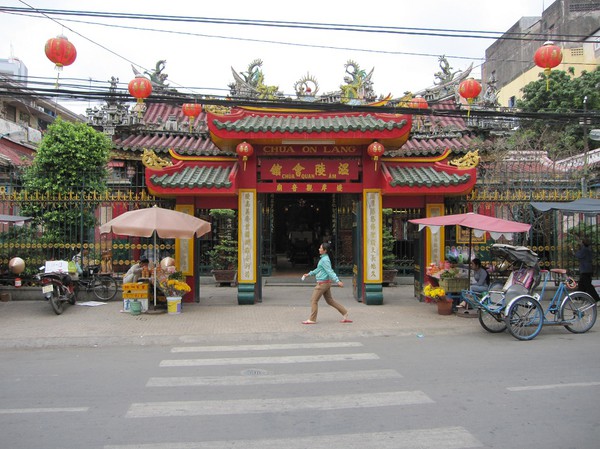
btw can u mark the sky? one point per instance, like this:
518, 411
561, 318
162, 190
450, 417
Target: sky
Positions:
200, 57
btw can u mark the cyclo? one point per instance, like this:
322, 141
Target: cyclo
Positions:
514, 304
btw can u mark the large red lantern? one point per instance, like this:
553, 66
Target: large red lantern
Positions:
245, 150
60, 51
418, 103
547, 57
375, 150
191, 110
469, 89
140, 88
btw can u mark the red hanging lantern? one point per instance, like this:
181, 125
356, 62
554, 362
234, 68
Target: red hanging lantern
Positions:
469, 89
140, 88
418, 103
60, 51
191, 110
245, 150
375, 150
547, 57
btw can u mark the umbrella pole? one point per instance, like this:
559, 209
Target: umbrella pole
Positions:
155, 280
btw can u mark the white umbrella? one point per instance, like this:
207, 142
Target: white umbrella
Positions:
153, 221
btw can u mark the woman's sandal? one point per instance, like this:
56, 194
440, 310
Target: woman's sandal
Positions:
309, 322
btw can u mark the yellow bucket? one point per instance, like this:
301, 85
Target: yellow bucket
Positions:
173, 305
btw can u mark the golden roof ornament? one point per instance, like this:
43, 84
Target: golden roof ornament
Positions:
151, 160
469, 160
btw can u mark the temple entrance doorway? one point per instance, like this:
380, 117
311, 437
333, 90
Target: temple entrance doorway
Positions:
300, 222
294, 227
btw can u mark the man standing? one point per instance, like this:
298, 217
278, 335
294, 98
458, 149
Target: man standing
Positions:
585, 256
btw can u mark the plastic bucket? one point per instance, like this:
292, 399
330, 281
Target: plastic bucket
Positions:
173, 305
135, 307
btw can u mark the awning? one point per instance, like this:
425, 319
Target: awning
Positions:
17, 220
584, 205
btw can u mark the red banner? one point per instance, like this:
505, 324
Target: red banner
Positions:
309, 169
310, 187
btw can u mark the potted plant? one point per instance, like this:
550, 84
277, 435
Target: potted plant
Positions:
224, 255
387, 246
438, 295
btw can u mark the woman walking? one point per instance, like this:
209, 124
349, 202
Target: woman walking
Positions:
325, 276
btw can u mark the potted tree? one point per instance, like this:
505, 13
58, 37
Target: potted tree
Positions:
224, 255
388, 256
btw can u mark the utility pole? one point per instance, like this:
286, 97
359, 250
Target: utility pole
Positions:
586, 149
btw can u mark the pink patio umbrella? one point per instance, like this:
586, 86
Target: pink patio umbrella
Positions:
477, 223
153, 221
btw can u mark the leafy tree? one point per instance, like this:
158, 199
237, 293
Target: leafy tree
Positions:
566, 94
70, 164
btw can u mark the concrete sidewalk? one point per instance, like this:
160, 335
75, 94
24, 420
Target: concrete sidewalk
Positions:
33, 324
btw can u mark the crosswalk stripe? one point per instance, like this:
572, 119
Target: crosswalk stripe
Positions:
271, 347
553, 386
13, 411
275, 405
434, 438
269, 360
267, 379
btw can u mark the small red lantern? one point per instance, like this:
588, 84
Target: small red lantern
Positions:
191, 110
547, 57
60, 51
245, 150
140, 88
375, 150
418, 103
469, 89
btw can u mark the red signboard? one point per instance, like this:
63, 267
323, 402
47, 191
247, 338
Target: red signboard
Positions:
310, 187
308, 149
309, 169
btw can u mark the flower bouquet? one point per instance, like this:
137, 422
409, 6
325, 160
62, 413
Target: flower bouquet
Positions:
435, 293
173, 285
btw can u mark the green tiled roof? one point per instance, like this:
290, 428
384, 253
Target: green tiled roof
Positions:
423, 177
196, 177
291, 124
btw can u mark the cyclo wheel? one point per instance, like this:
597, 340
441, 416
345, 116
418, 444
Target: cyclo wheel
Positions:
491, 322
55, 302
491, 315
524, 318
580, 310
104, 287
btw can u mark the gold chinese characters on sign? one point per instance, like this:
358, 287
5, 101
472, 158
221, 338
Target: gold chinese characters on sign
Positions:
372, 227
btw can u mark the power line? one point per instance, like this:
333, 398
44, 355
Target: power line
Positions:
431, 32
175, 98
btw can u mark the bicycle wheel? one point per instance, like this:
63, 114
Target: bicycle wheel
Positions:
104, 287
55, 302
580, 310
524, 318
491, 322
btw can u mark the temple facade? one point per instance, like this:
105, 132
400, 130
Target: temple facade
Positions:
298, 176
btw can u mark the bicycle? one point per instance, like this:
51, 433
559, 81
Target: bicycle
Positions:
103, 285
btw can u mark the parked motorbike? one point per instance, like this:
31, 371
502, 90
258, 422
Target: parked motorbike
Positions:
58, 288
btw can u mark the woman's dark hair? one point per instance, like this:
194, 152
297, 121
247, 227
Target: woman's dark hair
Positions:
476, 262
327, 247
